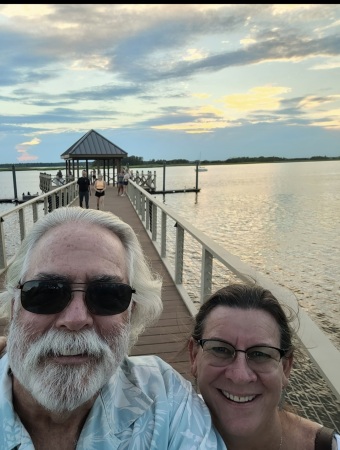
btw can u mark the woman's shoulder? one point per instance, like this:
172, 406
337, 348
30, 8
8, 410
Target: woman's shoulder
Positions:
300, 430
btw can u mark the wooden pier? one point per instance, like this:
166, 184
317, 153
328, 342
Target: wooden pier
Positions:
167, 338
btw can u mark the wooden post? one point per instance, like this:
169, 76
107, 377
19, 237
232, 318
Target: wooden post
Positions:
14, 184
197, 175
164, 176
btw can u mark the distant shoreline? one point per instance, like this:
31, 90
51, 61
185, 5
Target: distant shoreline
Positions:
173, 162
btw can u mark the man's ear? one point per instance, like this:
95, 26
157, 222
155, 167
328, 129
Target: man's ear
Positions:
193, 350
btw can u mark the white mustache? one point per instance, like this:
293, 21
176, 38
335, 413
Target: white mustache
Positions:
57, 343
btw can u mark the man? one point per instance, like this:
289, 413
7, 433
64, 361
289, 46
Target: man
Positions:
84, 189
80, 292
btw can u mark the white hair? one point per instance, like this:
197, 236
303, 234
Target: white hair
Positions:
147, 299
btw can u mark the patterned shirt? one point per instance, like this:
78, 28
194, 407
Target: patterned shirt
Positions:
146, 405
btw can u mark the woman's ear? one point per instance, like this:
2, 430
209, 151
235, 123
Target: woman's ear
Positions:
287, 364
193, 350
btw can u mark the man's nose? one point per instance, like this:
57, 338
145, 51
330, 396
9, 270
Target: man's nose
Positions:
76, 315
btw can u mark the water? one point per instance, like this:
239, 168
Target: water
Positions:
280, 218
27, 180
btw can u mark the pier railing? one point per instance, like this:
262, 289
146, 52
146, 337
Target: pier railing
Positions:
146, 181
199, 266
15, 223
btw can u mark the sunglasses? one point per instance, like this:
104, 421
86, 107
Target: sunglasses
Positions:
51, 297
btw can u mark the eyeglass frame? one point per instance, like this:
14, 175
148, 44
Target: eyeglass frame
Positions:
281, 351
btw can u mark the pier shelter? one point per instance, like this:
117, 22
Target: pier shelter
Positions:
94, 146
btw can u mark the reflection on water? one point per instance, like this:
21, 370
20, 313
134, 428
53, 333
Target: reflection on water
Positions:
282, 219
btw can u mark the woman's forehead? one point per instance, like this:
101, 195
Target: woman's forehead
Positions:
232, 322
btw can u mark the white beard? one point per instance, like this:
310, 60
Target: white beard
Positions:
62, 388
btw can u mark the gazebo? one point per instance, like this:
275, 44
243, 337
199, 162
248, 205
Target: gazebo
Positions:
94, 147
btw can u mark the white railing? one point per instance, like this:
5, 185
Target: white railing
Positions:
198, 266
15, 223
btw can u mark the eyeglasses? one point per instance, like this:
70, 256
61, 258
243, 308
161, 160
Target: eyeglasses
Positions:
260, 358
51, 297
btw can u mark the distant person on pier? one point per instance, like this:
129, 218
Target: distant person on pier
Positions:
125, 182
93, 176
66, 381
84, 189
100, 187
70, 176
120, 182
241, 354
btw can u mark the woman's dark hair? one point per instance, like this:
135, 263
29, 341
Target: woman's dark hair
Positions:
246, 296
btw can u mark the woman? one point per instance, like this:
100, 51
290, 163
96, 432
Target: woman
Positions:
120, 182
99, 187
125, 182
241, 354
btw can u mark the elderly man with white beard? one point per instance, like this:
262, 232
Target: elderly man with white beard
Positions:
79, 292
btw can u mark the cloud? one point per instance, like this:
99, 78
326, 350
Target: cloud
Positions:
181, 69
23, 147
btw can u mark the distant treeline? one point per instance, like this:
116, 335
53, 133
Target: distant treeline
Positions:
135, 161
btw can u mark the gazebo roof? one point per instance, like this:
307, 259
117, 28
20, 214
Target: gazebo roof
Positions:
93, 146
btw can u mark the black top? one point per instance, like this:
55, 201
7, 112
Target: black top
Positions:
84, 184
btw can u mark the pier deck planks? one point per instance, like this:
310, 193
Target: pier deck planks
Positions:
167, 338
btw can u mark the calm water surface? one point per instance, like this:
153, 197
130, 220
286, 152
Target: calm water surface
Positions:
282, 219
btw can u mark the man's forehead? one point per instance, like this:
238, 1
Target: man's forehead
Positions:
79, 235
79, 248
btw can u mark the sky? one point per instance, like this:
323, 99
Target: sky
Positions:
196, 82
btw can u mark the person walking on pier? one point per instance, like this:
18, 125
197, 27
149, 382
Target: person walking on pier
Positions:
120, 182
241, 354
125, 182
84, 189
100, 187
66, 381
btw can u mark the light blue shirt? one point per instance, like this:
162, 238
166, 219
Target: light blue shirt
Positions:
146, 406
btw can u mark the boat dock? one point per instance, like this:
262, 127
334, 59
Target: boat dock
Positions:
313, 390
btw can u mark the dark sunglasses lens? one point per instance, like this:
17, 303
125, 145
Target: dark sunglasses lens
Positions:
108, 299
44, 297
